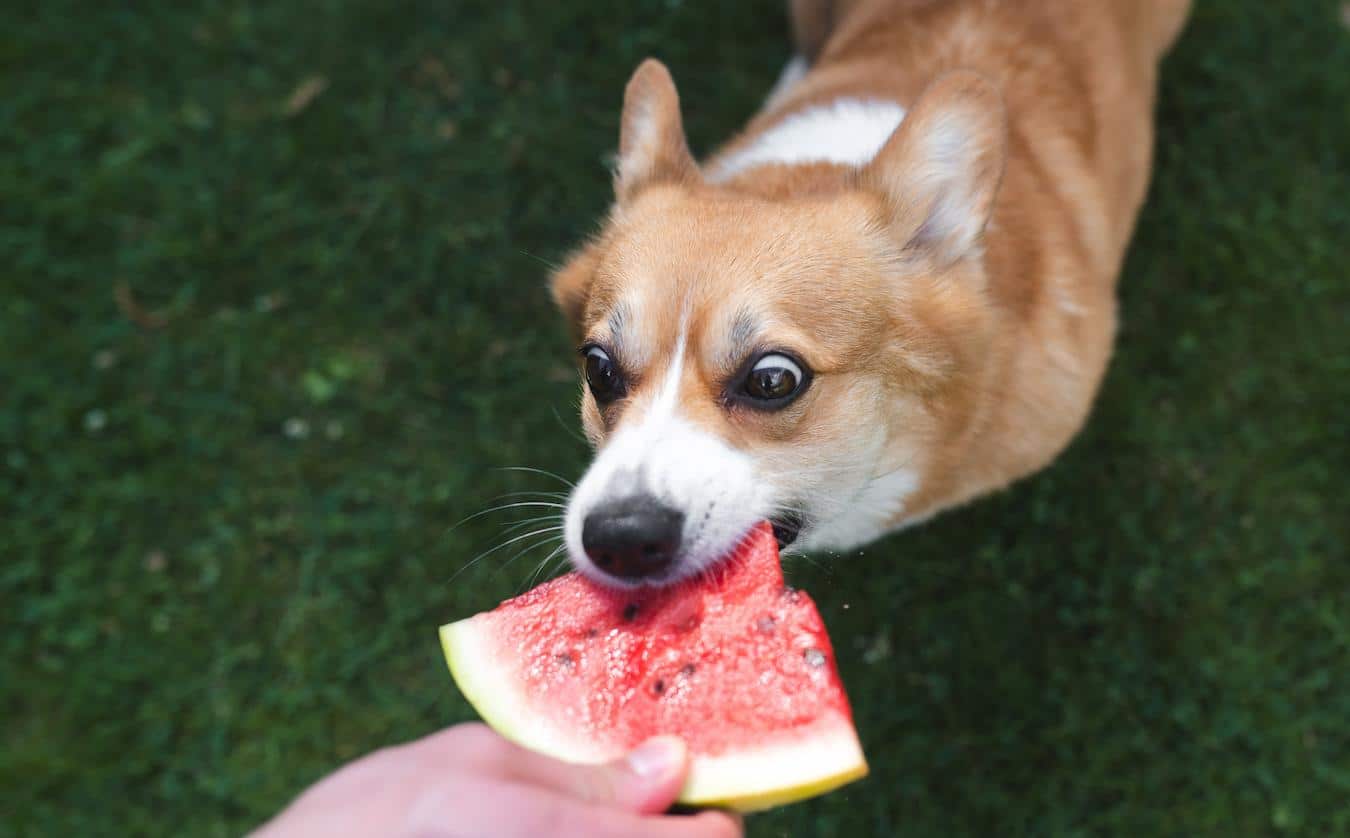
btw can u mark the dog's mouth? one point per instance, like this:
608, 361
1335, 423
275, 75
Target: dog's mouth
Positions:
786, 528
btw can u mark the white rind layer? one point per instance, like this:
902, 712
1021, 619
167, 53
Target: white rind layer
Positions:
812, 763
488, 683
778, 773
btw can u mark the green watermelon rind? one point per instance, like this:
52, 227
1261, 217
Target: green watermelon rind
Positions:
800, 765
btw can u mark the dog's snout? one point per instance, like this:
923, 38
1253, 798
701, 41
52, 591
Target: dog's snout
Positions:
634, 538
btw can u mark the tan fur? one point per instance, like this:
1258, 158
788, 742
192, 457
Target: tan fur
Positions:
972, 357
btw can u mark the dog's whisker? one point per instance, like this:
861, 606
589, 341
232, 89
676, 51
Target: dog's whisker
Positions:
563, 559
543, 542
554, 495
557, 551
541, 471
547, 516
551, 265
548, 539
483, 555
500, 508
570, 431
497, 509
530, 522
550, 529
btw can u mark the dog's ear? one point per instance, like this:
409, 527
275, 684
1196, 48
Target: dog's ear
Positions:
570, 286
940, 171
652, 146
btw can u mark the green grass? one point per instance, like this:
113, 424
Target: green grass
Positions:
202, 612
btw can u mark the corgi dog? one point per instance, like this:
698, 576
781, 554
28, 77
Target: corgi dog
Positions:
892, 293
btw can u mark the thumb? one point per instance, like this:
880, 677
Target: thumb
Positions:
646, 781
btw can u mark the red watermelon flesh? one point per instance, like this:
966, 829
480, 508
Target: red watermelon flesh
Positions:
735, 663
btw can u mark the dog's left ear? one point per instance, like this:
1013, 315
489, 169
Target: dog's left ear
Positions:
652, 146
940, 171
570, 286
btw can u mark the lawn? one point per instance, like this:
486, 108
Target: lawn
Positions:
272, 320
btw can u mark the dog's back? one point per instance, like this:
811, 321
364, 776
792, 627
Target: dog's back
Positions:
1078, 83
1071, 73
1152, 25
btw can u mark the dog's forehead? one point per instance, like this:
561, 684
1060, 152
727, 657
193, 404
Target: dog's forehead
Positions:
727, 276
714, 325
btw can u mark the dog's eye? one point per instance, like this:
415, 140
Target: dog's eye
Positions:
774, 378
602, 375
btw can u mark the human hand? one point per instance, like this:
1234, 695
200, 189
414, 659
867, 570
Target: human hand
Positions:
466, 781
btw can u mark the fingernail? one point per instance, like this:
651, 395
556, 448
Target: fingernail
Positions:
657, 756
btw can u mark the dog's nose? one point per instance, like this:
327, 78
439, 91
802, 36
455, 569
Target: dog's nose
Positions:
634, 538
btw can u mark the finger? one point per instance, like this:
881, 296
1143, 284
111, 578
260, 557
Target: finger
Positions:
709, 824
644, 782
580, 820
715, 823
508, 810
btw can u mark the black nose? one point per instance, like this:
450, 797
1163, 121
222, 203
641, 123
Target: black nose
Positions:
634, 538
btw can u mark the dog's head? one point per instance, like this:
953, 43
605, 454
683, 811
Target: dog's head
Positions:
748, 355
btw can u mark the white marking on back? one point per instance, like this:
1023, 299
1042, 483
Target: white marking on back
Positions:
793, 72
846, 131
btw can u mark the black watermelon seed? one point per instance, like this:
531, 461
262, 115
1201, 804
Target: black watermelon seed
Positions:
630, 611
659, 686
687, 670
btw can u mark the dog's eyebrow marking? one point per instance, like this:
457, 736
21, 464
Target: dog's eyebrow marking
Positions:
618, 319
744, 329
740, 338
624, 339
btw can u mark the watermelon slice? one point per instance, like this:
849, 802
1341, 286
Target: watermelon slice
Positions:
736, 664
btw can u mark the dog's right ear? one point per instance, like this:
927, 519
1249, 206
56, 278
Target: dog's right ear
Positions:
570, 286
940, 171
652, 146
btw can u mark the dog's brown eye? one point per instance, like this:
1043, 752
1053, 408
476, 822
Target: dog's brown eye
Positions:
774, 378
602, 375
